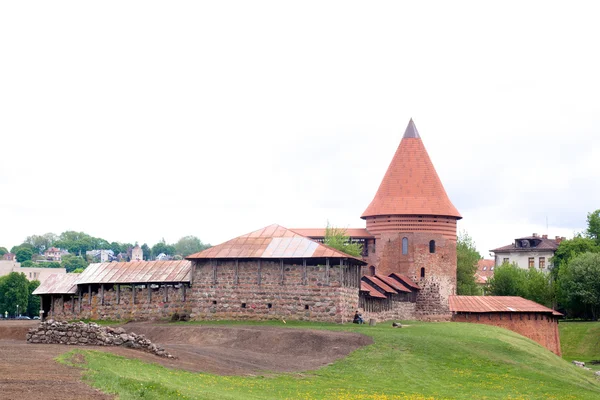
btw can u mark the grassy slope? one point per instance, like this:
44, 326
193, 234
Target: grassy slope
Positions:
580, 341
424, 360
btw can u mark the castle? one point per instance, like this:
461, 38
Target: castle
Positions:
408, 269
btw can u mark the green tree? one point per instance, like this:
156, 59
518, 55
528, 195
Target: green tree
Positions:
78, 270
568, 249
163, 247
508, 280
23, 254
189, 245
593, 229
51, 264
147, 251
3, 251
71, 262
14, 290
579, 283
40, 243
467, 257
338, 239
539, 287
28, 264
33, 304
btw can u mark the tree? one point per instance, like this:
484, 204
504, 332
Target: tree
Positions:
71, 262
568, 249
40, 243
3, 251
339, 240
33, 304
147, 251
189, 245
14, 290
163, 247
508, 280
579, 282
467, 257
23, 254
593, 229
28, 264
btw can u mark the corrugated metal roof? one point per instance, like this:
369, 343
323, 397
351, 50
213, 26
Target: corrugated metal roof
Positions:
137, 272
273, 241
359, 233
483, 304
406, 280
365, 287
393, 283
58, 284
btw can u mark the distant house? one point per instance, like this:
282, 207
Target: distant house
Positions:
54, 254
101, 255
485, 270
9, 257
163, 257
31, 273
528, 252
137, 254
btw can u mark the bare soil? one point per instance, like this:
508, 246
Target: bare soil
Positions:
28, 371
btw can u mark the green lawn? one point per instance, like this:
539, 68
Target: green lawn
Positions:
422, 361
580, 341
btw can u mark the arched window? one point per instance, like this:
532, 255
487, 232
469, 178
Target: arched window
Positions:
404, 245
422, 272
432, 246
372, 270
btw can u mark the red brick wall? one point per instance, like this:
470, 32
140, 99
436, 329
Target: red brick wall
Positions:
440, 267
539, 327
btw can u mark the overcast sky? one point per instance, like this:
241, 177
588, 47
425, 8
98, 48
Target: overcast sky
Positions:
134, 121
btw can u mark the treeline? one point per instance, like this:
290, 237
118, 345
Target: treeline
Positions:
16, 297
31, 251
573, 285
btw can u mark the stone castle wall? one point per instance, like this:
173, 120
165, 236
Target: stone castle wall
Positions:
227, 290
538, 327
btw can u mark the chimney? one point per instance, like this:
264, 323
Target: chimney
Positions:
544, 236
535, 235
558, 239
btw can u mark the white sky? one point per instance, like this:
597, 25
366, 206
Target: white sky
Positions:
134, 121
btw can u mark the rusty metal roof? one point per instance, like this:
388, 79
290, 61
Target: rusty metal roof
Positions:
137, 272
393, 283
365, 287
58, 284
405, 280
358, 233
374, 281
483, 304
273, 241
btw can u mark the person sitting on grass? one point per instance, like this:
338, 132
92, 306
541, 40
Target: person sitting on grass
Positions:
358, 319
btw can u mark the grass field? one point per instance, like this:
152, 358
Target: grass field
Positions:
580, 341
422, 361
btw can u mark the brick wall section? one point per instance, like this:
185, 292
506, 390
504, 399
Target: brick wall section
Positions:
538, 327
219, 292
440, 268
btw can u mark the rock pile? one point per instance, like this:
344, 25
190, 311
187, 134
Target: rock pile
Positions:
82, 334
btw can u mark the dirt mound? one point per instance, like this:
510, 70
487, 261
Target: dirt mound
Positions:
15, 329
244, 349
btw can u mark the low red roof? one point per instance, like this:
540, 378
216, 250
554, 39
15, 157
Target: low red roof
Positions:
273, 241
406, 280
484, 304
359, 233
365, 287
382, 285
393, 283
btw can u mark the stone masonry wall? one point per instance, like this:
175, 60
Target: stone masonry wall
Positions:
265, 290
400, 311
538, 327
227, 290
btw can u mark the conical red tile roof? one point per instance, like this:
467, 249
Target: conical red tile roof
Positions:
411, 186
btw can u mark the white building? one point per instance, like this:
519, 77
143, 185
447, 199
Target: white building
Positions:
528, 252
137, 254
102, 255
31, 273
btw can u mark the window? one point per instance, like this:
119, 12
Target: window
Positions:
542, 262
491, 268
404, 245
531, 262
269, 305
432, 246
485, 268
306, 306
243, 305
505, 261
422, 273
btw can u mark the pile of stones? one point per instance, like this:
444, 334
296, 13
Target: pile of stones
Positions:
82, 334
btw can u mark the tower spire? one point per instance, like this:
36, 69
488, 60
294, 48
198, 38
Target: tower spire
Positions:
411, 131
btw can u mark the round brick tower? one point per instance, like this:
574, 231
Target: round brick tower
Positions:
414, 225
